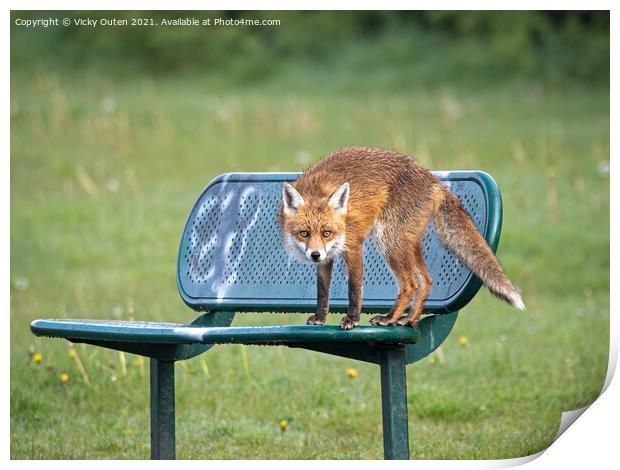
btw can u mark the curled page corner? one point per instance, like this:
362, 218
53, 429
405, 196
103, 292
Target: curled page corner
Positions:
515, 461
568, 418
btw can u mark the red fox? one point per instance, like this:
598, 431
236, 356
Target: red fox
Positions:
358, 191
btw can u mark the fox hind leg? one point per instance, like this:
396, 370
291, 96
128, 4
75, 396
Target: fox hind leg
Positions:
402, 231
425, 283
402, 264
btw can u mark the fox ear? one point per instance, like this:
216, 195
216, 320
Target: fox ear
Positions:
340, 199
291, 199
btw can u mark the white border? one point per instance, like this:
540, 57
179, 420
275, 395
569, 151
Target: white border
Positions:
592, 441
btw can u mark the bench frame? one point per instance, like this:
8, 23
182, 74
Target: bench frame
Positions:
392, 348
393, 399
391, 356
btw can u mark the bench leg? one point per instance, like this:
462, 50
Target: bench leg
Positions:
162, 410
394, 404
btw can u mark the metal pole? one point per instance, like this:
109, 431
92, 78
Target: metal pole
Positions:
394, 404
162, 410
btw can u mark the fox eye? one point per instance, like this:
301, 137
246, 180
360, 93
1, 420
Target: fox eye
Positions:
326, 233
304, 234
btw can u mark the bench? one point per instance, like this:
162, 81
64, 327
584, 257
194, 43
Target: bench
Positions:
231, 260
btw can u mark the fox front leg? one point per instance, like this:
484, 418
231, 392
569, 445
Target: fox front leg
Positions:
323, 281
354, 262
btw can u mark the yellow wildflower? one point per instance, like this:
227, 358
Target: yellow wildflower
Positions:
37, 358
64, 377
352, 372
463, 341
283, 425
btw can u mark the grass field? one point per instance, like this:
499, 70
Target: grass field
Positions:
104, 173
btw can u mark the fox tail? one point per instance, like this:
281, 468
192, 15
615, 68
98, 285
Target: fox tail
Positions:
459, 234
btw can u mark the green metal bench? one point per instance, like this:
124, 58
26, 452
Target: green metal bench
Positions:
231, 260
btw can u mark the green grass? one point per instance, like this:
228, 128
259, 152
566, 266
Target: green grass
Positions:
104, 173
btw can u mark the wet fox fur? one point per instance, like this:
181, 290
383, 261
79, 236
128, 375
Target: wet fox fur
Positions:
355, 192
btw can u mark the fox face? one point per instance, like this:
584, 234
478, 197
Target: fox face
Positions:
313, 229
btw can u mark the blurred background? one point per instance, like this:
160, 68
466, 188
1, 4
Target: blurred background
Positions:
402, 49
115, 131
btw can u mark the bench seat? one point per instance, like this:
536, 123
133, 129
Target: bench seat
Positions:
176, 333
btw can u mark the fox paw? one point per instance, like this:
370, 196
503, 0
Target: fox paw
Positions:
406, 321
349, 322
381, 320
315, 320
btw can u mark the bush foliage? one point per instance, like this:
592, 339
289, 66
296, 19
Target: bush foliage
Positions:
557, 46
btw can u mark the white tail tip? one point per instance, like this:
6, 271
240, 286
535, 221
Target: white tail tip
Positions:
516, 301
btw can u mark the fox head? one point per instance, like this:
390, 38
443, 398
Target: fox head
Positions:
313, 229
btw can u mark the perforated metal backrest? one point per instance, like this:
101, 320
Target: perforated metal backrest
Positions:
232, 258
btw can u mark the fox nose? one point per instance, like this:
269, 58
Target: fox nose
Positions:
315, 255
